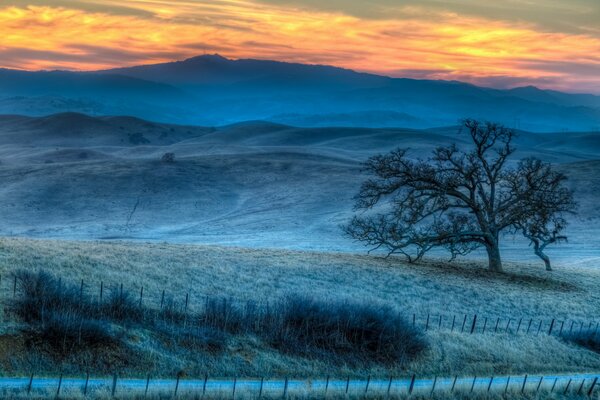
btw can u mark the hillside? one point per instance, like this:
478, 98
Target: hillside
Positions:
213, 90
523, 292
252, 184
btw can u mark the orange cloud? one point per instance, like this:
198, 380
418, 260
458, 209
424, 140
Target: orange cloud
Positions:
447, 46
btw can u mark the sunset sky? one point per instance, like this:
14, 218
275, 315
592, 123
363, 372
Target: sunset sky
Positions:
547, 43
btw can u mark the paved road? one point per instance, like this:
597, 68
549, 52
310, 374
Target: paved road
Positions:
573, 382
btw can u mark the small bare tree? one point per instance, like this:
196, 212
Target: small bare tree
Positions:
461, 200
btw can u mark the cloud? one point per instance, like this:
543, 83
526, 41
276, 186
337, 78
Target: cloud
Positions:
445, 45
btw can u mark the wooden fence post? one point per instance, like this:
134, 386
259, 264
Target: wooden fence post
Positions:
327, 385
101, 290
591, 390
454, 383
141, 296
554, 385
204, 384
484, 325
30, 384
507, 383
539, 384
59, 385
147, 385
539, 327
433, 387
87, 381
427, 322
453, 321
551, 326
347, 384
507, 325
462, 328
529, 325
490, 384
524, 383
412, 384
234, 385
368, 381
581, 387
262, 381
473, 384
15, 287
162, 299
474, 323
568, 384
285, 387
497, 323
81, 293
114, 385
519, 326
389, 388
176, 384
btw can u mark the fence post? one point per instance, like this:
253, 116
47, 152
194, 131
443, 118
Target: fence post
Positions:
147, 385
462, 328
81, 293
59, 385
285, 387
176, 385
389, 388
454, 383
204, 384
524, 383
141, 295
87, 380
427, 322
234, 385
592, 387
114, 385
433, 387
519, 326
490, 384
551, 326
529, 324
562, 324
412, 384
539, 327
473, 384
484, 325
568, 384
347, 384
15, 287
497, 323
414, 319
162, 299
581, 387
327, 385
262, 381
440, 324
101, 289
30, 384
453, 321
368, 381
554, 385
539, 384
571, 329
507, 383
474, 323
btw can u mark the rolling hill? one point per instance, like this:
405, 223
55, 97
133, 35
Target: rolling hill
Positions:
255, 184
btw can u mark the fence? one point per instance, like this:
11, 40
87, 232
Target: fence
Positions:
454, 323
581, 384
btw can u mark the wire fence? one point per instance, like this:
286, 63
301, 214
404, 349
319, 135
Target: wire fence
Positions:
186, 302
580, 384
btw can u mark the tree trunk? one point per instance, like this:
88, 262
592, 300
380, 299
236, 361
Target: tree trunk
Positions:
495, 262
539, 251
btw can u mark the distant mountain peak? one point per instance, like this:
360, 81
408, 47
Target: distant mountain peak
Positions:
207, 57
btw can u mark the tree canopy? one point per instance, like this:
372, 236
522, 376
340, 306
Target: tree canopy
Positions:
461, 199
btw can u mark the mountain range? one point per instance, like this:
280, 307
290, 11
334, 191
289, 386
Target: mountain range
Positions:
211, 90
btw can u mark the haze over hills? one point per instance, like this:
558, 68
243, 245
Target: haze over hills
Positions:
255, 184
213, 90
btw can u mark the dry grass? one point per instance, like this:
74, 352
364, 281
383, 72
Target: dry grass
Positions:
434, 287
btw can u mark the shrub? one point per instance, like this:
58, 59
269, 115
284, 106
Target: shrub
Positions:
351, 331
589, 338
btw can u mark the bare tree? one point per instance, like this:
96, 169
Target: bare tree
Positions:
460, 200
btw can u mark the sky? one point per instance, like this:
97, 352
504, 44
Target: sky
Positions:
551, 44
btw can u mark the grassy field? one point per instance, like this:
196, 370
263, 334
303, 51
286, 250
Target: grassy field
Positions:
434, 287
